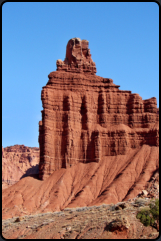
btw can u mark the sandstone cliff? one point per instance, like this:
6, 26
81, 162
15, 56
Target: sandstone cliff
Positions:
98, 144
86, 117
18, 161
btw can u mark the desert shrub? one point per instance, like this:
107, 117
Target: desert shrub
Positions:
154, 209
151, 215
145, 217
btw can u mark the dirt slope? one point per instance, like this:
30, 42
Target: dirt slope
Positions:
114, 179
96, 222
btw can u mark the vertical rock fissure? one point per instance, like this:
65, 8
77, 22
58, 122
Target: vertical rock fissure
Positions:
83, 112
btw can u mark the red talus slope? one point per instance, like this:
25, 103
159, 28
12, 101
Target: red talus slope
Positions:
113, 179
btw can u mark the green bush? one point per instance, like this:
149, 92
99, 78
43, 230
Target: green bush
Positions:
154, 209
151, 215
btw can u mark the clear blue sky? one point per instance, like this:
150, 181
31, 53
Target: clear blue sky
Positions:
123, 39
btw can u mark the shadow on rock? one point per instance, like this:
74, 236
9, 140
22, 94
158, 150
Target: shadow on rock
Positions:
32, 172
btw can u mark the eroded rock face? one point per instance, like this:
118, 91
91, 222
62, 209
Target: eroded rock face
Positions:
86, 117
18, 161
78, 58
98, 145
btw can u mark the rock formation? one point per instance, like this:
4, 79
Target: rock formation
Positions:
98, 144
78, 58
86, 117
18, 161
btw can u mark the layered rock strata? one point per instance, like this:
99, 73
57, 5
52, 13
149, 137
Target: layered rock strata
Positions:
86, 117
18, 161
98, 145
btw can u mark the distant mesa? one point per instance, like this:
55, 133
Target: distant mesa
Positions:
18, 161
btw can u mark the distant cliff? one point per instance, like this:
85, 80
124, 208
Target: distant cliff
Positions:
18, 161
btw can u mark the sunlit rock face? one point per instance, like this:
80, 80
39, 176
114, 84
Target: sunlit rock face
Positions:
86, 117
98, 144
19, 161
78, 58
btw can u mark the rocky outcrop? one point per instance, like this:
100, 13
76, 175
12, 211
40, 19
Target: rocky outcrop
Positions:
98, 145
78, 58
18, 161
86, 117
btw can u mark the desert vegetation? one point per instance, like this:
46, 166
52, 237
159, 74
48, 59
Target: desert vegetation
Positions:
149, 216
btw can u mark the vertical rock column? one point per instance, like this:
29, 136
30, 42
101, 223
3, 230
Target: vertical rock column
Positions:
46, 137
102, 109
97, 147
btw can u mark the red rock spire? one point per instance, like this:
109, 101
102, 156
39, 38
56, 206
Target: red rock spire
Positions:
78, 58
